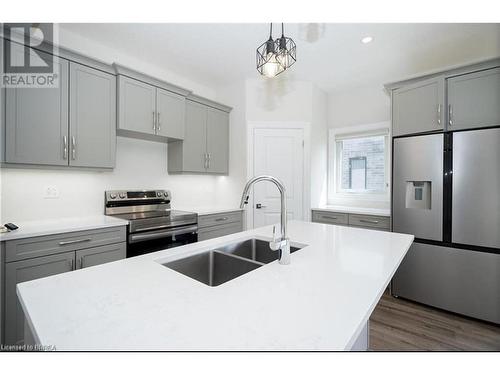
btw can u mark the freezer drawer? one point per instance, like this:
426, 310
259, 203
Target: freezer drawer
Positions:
476, 188
462, 281
418, 186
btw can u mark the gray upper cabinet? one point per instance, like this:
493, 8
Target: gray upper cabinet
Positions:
92, 136
418, 107
136, 107
474, 100
27, 270
217, 141
36, 123
190, 154
170, 109
205, 148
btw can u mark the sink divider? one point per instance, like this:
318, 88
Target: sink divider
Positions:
238, 257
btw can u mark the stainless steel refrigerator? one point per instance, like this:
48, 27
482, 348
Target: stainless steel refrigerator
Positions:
446, 192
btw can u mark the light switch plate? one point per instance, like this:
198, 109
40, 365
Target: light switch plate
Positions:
51, 192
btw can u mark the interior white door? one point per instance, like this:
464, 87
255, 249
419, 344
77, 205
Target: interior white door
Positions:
279, 153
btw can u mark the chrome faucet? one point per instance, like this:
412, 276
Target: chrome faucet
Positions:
278, 243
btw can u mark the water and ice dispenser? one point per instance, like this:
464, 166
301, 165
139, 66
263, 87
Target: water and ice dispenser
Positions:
418, 194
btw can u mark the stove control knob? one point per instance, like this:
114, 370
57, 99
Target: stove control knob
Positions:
112, 195
122, 195
158, 194
166, 194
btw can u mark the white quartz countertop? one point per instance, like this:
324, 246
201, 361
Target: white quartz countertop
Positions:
355, 210
321, 301
208, 210
62, 225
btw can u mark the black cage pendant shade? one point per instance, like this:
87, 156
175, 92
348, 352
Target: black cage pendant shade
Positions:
275, 56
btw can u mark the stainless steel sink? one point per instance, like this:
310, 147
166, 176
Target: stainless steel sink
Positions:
254, 249
228, 262
213, 268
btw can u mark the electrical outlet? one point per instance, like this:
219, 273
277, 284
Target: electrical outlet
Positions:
51, 192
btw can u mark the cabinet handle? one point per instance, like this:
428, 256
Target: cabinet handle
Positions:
154, 121
80, 262
368, 221
62, 243
222, 218
72, 264
158, 123
439, 114
65, 147
329, 217
450, 115
205, 165
209, 155
73, 148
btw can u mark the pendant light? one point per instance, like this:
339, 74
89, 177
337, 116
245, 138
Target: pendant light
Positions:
267, 57
287, 50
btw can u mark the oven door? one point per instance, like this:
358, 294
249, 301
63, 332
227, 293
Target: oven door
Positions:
156, 240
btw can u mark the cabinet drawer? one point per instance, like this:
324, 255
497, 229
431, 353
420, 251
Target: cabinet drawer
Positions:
33, 247
327, 217
219, 231
100, 255
381, 222
219, 219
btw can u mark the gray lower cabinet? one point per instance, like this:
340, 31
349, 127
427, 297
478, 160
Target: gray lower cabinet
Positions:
92, 117
474, 100
418, 107
36, 122
33, 258
218, 225
100, 255
353, 220
205, 148
27, 270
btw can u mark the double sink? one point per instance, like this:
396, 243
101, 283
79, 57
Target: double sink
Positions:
215, 267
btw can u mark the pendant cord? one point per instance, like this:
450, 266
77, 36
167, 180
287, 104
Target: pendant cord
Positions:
282, 30
271, 31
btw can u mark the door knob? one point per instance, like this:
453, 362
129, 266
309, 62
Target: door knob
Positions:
258, 205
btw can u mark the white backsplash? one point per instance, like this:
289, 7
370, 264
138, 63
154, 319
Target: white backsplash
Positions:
139, 165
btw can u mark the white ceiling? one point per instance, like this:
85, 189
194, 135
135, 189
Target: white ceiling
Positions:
330, 55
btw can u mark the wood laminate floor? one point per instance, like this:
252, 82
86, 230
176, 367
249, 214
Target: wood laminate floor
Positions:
398, 324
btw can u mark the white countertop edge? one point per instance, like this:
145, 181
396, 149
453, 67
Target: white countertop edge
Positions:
63, 225
354, 210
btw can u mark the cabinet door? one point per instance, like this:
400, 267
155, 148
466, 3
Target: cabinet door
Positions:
418, 108
100, 255
170, 110
474, 100
136, 106
26, 270
195, 141
217, 141
36, 119
92, 117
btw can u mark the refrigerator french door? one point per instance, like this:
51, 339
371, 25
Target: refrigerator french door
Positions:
446, 192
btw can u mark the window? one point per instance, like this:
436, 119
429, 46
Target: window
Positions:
359, 163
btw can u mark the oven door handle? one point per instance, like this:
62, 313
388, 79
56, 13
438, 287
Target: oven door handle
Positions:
159, 234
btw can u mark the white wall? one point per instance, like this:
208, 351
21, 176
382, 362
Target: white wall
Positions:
365, 105
139, 164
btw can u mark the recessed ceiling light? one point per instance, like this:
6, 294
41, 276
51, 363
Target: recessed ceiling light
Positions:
366, 39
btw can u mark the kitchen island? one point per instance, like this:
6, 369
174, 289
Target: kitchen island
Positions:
321, 301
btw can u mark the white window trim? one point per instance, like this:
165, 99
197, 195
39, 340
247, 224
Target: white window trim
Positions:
365, 130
